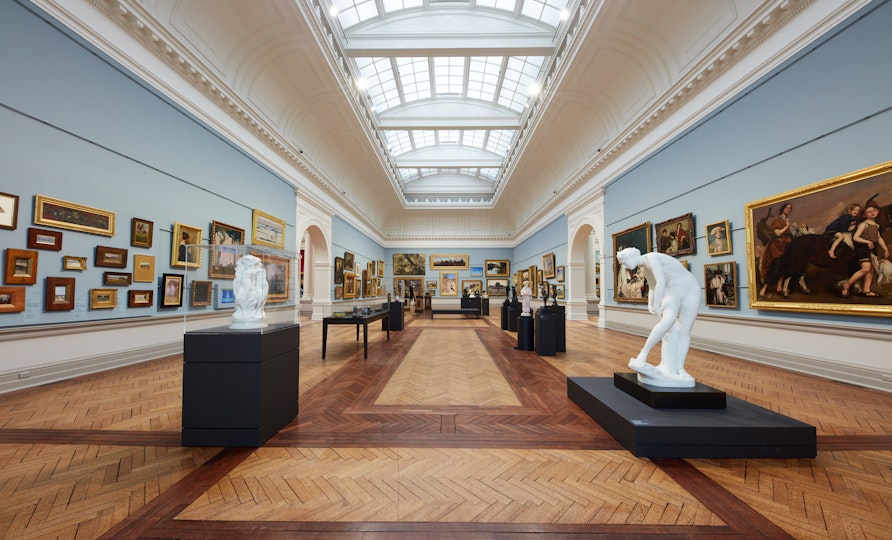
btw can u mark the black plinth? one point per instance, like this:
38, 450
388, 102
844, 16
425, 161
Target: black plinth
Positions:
240, 387
741, 430
525, 334
698, 397
396, 317
546, 332
514, 309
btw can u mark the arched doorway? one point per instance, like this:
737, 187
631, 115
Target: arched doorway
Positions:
585, 256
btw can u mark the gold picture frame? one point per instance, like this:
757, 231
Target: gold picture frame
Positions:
449, 262
720, 280
473, 286
21, 267
76, 217
202, 293
183, 250
278, 276
497, 267
141, 232
813, 284
548, 268
9, 211
76, 264
103, 298
629, 286
448, 284
718, 238
228, 240
268, 230
12, 299
143, 268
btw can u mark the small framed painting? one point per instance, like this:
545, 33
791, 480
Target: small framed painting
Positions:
44, 239
140, 298
9, 212
548, 265
111, 257
718, 238
473, 286
21, 267
676, 236
141, 231
497, 267
171, 290
202, 293
117, 279
228, 241
721, 284
76, 217
76, 264
278, 276
103, 298
143, 268
184, 253
448, 283
59, 294
476, 270
497, 286
225, 298
559, 273
628, 285
268, 230
12, 299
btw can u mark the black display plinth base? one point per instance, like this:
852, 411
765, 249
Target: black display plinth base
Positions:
698, 397
514, 309
396, 317
525, 334
240, 387
741, 430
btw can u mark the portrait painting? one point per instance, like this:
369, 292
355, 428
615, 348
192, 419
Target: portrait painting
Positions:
338, 270
171, 290
628, 285
824, 247
184, 251
718, 238
676, 236
720, 281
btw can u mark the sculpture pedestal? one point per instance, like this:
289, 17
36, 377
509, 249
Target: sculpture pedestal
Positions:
240, 387
546, 332
525, 334
698, 397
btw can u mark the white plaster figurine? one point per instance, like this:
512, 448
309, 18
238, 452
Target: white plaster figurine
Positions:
526, 293
250, 288
675, 298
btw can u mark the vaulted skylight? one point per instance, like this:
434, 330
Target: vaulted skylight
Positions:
448, 85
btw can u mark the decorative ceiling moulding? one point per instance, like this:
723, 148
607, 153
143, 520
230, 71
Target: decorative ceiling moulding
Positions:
131, 17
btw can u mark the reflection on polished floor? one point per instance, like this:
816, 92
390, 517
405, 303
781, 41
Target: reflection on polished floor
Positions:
444, 431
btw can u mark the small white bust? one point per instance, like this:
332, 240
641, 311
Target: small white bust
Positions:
526, 293
250, 288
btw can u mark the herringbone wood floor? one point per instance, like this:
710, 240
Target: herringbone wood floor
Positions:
444, 431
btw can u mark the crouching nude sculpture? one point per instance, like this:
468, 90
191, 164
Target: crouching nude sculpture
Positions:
675, 298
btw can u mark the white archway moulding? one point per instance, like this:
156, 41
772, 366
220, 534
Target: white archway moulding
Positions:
581, 223
317, 265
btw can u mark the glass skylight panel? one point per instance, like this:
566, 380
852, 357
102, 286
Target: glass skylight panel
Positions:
507, 5
398, 142
483, 77
395, 5
424, 138
407, 175
500, 141
382, 88
521, 71
474, 138
352, 12
449, 75
488, 173
448, 136
547, 11
415, 78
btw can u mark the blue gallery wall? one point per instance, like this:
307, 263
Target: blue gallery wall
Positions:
823, 114
551, 238
75, 126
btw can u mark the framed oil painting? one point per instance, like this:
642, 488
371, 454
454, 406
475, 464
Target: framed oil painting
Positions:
431, 286
415, 283
448, 283
349, 262
560, 291
409, 264
721, 284
227, 241
141, 232
183, 252
278, 275
76, 217
202, 293
76, 264
268, 230
473, 286
21, 267
349, 285
59, 294
103, 298
117, 279
338, 292
559, 273
718, 238
339, 271
789, 264
449, 262
676, 236
140, 298
111, 257
143, 268
497, 286
548, 265
380, 273
497, 267
629, 286
475, 270
44, 239
171, 290
225, 297
12, 299
9, 212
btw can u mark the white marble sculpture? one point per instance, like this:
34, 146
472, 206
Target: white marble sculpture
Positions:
526, 293
675, 298
250, 288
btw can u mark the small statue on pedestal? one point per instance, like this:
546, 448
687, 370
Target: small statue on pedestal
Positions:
513, 293
250, 288
526, 293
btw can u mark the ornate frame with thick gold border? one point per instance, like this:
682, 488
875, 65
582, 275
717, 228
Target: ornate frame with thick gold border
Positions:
818, 204
637, 237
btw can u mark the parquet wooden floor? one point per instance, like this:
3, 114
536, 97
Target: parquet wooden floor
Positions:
444, 431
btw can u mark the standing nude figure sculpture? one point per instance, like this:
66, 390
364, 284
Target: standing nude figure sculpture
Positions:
675, 298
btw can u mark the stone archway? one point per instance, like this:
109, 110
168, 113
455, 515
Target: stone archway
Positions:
585, 253
317, 268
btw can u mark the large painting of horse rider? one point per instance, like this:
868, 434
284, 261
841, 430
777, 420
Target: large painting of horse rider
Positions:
824, 248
